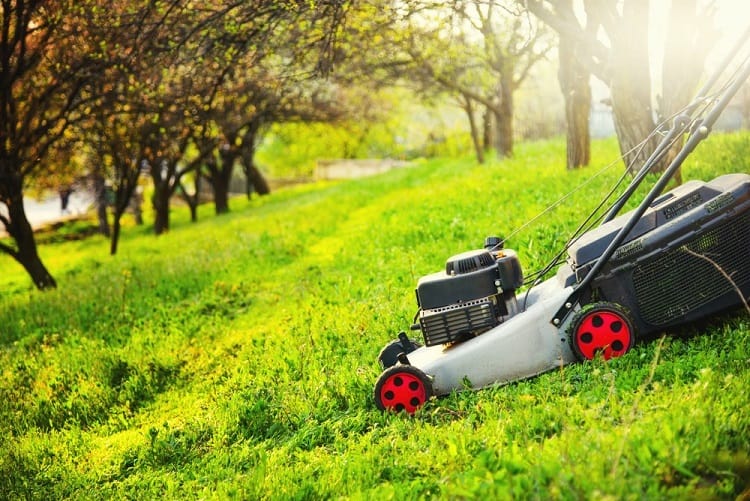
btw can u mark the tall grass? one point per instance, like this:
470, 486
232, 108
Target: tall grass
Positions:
235, 357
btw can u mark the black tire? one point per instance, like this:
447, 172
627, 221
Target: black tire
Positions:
402, 388
603, 327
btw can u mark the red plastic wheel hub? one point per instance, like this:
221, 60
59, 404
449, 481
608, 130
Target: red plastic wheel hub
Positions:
402, 391
603, 331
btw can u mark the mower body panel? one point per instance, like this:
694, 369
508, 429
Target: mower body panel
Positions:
521, 347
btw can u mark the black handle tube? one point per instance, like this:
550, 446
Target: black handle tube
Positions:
680, 126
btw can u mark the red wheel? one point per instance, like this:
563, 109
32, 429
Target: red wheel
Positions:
402, 388
602, 327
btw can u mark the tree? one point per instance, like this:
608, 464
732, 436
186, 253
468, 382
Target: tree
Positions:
273, 79
234, 97
575, 84
142, 109
112, 135
478, 51
49, 53
620, 59
165, 137
238, 111
54, 62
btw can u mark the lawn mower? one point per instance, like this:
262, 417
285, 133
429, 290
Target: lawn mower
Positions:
677, 257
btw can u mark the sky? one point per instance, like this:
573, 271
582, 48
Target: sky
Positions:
733, 15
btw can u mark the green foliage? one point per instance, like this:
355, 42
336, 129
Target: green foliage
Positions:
235, 357
389, 123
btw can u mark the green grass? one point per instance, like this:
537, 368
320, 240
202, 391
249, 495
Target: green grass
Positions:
235, 357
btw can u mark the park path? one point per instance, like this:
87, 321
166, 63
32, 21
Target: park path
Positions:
48, 209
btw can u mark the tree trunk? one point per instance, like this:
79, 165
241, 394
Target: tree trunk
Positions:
504, 120
197, 198
136, 205
487, 129
684, 62
220, 185
633, 124
254, 179
127, 196
26, 253
193, 200
260, 184
161, 208
220, 178
574, 83
100, 197
630, 86
114, 240
578, 134
469, 109
193, 213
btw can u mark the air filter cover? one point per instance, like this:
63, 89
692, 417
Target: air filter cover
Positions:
468, 261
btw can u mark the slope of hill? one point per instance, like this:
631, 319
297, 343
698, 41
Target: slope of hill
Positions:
235, 357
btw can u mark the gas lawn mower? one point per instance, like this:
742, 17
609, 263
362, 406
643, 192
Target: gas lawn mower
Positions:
675, 258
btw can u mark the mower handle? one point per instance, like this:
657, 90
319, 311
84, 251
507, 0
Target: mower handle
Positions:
697, 135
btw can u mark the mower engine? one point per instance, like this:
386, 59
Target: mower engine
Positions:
475, 292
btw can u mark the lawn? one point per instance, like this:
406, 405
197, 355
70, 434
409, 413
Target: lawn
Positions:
235, 357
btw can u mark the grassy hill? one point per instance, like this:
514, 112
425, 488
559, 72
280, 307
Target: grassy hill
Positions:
235, 357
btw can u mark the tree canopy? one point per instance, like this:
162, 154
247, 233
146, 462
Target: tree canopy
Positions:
147, 71
179, 90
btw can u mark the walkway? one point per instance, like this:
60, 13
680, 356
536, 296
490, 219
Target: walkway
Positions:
47, 210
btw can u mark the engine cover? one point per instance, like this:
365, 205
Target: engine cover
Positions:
468, 297
472, 275
468, 276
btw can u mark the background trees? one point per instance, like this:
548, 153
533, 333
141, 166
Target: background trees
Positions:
477, 52
613, 44
49, 55
128, 65
171, 91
